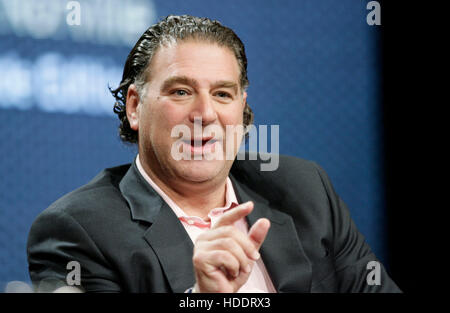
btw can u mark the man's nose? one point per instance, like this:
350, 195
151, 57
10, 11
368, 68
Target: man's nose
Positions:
203, 108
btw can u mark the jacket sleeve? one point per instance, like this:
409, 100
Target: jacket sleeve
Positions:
55, 239
351, 252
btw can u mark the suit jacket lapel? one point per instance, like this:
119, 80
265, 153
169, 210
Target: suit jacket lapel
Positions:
174, 249
166, 235
282, 251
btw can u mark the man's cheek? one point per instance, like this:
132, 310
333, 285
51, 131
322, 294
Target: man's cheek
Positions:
234, 134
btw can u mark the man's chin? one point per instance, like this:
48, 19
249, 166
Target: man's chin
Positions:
201, 171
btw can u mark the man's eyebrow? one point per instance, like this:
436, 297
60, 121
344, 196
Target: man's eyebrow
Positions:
178, 80
226, 84
192, 82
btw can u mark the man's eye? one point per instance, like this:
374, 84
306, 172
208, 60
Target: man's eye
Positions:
180, 92
222, 94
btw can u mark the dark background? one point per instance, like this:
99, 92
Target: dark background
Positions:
414, 119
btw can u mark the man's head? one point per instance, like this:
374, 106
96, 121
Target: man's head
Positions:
181, 70
173, 29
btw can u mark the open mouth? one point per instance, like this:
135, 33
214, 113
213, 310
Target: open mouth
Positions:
202, 142
200, 145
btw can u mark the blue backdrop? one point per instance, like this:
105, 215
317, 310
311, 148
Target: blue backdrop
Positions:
314, 69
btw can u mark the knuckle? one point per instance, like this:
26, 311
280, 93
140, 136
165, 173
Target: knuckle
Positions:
227, 230
221, 254
228, 243
198, 258
227, 259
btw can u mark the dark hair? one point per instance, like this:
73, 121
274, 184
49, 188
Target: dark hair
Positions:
173, 28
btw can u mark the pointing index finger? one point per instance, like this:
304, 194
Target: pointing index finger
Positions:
235, 214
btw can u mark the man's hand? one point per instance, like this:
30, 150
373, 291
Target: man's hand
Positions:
224, 256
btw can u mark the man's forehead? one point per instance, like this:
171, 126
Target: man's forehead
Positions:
174, 57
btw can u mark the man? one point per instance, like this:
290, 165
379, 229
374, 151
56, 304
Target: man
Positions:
198, 223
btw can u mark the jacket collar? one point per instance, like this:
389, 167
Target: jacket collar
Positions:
145, 203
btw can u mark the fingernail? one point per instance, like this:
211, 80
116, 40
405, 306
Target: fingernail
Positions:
248, 268
256, 255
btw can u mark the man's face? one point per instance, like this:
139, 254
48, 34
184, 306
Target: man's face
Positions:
189, 81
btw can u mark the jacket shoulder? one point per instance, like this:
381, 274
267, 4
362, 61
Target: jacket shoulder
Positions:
283, 168
293, 178
101, 192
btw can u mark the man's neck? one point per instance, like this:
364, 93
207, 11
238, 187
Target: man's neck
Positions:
195, 199
200, 204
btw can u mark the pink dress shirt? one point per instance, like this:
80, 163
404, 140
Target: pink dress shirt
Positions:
259, 280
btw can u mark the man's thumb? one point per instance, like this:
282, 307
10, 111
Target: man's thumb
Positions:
259, 231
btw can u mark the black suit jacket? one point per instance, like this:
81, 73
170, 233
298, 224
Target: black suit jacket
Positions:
126, 238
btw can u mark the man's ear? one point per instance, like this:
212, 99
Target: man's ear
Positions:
244, 99
133, 107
